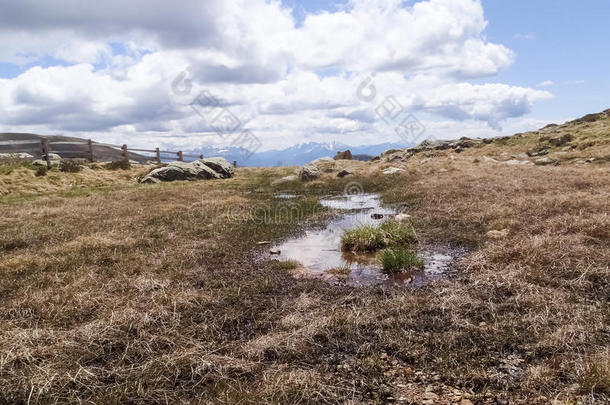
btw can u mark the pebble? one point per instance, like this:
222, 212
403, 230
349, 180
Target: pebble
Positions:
431, 396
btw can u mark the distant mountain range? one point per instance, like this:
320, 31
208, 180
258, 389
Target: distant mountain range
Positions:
297, 155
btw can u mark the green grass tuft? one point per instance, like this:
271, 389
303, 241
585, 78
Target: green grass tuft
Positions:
288, 264
369, 238
394, 260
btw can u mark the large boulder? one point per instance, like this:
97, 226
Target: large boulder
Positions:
309, 172
347, 155
197, 170
324, 164
220, 166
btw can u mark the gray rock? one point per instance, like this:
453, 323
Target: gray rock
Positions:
283, 180
391, 152
181, 171
53, 157
402, 217
324, 164
545, 161
309, 172
344, 173
393, 170
219, 165
315, 168
561, 140
518, 162
17, 155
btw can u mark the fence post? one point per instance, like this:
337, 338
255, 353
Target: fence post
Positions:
158, 155
125, 153
235, 163
90, 143
180, 159
44, 145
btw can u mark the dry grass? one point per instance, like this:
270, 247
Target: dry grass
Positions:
18, 181
160, 294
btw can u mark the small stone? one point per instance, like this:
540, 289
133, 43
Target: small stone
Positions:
377, 216
343, 173
494, 234
465, 401
590, 160
275, 252
402, 217
518, 162
545, 161
431, 396
393, 170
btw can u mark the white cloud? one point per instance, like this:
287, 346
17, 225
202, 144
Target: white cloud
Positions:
251, 55
546, 83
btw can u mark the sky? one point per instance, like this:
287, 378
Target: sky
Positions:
270, 74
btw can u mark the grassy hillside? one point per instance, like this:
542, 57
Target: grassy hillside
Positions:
123, 292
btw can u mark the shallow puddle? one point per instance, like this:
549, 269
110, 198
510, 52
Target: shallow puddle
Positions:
319, 250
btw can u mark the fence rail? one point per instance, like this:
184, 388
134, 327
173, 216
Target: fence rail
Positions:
46, 149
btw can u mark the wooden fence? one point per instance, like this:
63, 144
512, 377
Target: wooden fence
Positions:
89, 151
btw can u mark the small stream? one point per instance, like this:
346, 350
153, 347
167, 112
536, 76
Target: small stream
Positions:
319, 250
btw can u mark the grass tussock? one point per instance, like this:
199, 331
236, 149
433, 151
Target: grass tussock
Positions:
288, 264
70, 166
394, 260
370, 238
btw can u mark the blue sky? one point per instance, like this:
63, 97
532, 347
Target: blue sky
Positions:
288, 71
562, 41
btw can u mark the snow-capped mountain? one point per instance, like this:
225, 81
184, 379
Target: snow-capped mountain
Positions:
296, 155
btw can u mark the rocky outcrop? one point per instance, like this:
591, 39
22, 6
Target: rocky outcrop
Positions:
458, 145
205, 169
17, 155
401, 155
316, 168
347, 155
220, 166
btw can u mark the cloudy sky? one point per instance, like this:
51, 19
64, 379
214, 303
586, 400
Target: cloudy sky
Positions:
296, 71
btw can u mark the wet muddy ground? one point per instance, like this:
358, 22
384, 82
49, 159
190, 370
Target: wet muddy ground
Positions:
319, 250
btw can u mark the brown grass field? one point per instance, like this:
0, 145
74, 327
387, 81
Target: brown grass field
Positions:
114, 292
